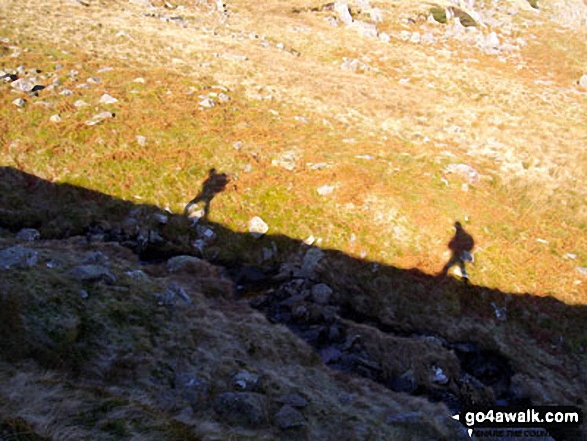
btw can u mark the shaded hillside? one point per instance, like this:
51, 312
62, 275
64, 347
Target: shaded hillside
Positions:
172, 340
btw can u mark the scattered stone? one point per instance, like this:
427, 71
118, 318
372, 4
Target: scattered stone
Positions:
94, 80
491, 42
83, 294
384, 37
582, 270
242, 408
168, 297
108, 99
310, 240
354, 65
245, 381
123, 34
141, 140
368, 30
137, 275
28, 235
415, 38
289, 418
223, 98
287, 161
207, 103
55, 118
583, 81
17, 257
92, 273
96, 258
325, 190
161, 218
293, 400
321, 293
500, 313
19, 102
179, 263
439, 376
66, 92
258, 227
96, 119
140, 80
342, 9
23, 85
311, 260
80, 103
465, 171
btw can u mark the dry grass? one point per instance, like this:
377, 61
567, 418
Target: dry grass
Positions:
459, 105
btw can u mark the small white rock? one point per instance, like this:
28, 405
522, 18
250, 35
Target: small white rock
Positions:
207, 103
258, 227
80, 103
141, 140
19, 102
108, 99
325, 189
55, 118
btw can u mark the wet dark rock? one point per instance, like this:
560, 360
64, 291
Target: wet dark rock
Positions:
17, 257
242, 408
289, 418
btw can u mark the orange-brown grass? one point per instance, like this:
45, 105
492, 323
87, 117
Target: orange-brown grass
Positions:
396, 204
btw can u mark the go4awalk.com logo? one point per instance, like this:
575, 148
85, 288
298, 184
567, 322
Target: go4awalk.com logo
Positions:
519, 422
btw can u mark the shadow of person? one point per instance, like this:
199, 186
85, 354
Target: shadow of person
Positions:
214, 184
461, 246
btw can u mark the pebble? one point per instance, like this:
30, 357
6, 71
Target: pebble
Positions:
583, 81
80, 103
19, 102
55, 118
66, 92
141, 140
